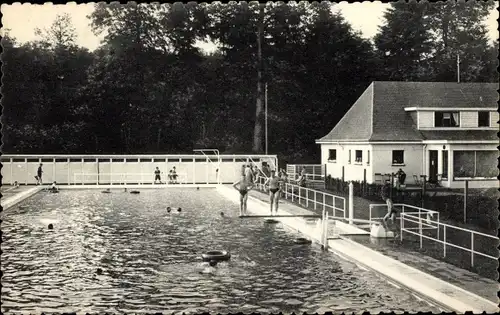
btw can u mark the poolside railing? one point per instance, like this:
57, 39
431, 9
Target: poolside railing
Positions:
423, 222
311, 198
408, 218
404, 208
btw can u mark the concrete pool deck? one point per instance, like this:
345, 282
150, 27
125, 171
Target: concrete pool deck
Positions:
17, 195
449, 296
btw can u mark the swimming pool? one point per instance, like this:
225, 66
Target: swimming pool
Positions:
150, 259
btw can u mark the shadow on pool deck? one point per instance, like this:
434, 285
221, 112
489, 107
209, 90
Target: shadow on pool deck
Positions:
408, 252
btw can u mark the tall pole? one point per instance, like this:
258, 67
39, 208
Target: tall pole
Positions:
458, 68
265, 104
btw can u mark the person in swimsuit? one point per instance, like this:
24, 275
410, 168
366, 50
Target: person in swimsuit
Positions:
54, 187
391, 212
157, 175
243, 187
256, 174
39, 175
174, 175
249, 173
274, 187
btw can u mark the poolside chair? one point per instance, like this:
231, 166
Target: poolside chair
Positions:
417, 180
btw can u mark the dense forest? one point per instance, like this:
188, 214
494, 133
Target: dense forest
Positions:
149, 89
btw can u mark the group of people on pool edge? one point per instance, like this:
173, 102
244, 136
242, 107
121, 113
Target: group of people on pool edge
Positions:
248, 180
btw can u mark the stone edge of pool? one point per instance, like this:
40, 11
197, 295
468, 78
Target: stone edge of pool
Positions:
17, 198
436, 290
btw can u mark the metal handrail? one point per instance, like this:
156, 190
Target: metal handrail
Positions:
315, 200
403, 206
445, 226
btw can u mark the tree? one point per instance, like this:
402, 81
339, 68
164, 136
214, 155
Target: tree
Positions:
404, 42
459, 30
61, 33
422, 41
257, 137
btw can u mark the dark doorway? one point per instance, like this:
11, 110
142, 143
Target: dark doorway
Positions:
433, 165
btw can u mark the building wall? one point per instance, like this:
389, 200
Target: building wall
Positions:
468, 119
494, 117
382, 159
425, 119
353, 170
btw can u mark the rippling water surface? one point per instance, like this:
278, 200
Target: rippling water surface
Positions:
150, 259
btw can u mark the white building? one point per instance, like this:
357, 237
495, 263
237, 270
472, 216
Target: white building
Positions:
443, 130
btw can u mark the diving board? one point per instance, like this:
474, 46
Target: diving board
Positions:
282, 216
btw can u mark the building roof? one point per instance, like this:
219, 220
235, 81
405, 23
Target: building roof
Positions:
379, 115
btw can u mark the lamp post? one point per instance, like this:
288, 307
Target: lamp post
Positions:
265, 105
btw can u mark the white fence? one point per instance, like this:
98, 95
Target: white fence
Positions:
311, 198
314, 172
423, 222
63, 168
408, 218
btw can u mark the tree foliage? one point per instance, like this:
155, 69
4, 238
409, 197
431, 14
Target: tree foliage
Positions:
150, 88
423, 42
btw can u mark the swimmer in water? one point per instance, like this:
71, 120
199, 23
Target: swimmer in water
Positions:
210, 269
54, 187
243, 187
274, 191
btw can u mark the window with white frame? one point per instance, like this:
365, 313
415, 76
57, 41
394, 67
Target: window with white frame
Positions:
468, 164
349, 157
332, 155
398, 157
446, 119
358, 155
368, 158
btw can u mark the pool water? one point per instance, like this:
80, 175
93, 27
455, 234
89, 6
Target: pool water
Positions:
150, 259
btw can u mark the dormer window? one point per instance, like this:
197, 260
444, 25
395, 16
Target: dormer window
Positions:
446, 119
483, 119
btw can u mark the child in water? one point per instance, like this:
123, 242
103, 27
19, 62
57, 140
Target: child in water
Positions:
210, 269
53, 187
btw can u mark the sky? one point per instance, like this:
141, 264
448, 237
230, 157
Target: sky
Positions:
22, 19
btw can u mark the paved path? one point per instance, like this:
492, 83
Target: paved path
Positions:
464, 279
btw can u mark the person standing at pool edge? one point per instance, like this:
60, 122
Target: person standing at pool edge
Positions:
157, 175
243, 187
39, 175
391, 212
274, 187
